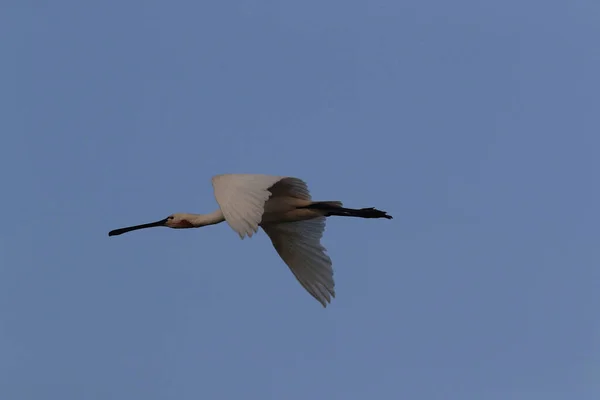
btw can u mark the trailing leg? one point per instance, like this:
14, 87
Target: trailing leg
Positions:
334, 208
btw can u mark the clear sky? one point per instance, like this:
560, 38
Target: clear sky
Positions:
474, 123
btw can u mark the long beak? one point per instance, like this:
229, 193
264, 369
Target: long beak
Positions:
162, 222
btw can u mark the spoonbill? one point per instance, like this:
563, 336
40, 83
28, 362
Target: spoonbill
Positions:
283, 208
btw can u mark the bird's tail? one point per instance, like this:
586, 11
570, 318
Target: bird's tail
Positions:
335, 208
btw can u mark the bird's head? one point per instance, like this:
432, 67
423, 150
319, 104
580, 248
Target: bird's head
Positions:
175, 221
178, 221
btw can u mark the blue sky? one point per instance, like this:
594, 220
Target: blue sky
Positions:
475, 124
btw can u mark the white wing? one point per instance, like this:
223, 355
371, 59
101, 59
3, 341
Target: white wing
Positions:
299, 245
242, 197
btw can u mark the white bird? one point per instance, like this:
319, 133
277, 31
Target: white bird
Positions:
283, 208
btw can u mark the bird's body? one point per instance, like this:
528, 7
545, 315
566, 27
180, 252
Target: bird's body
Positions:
283, 208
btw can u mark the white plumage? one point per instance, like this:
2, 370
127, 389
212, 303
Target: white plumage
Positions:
242, 197
283, 207
299, 246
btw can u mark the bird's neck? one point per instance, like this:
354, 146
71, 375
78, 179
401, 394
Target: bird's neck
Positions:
199, 220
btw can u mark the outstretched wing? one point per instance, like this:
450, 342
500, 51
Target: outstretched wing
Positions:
242, 197
299, 245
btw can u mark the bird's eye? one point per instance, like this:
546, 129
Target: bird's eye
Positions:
170, 217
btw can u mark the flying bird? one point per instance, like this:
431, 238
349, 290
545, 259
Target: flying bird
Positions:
282, 206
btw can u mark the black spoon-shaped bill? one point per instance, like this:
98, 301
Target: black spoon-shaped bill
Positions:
121, 231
